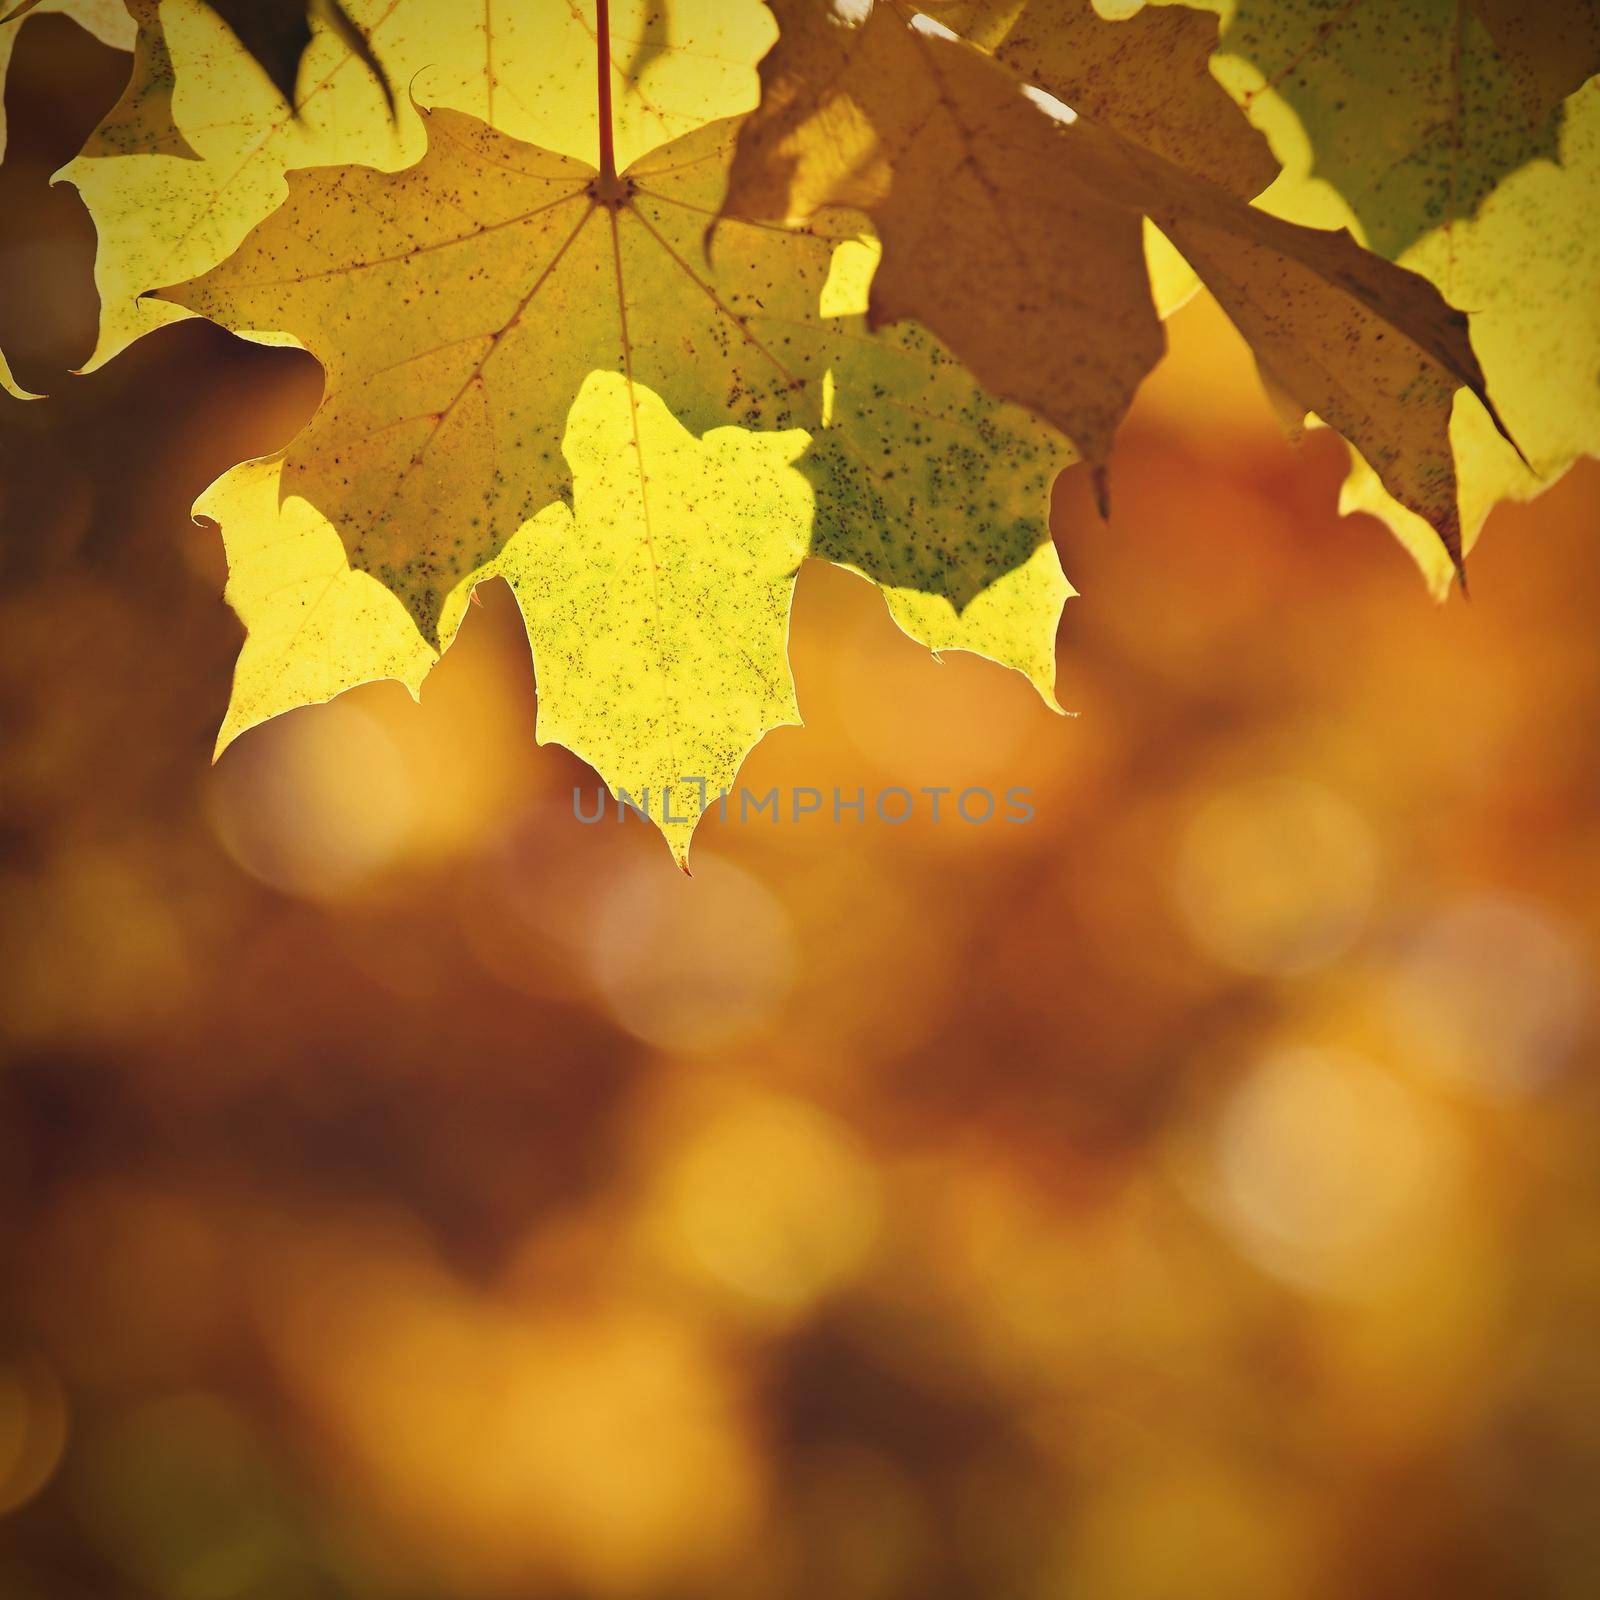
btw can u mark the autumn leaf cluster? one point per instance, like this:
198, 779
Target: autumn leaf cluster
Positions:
637, 304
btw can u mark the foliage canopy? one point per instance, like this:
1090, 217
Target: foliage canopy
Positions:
639, 303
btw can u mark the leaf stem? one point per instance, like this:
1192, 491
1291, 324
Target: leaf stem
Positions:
602, 37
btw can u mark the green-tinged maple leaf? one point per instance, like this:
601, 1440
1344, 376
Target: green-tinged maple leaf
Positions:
526, 69
109, 22
1412, 110
1528, 264
1041, 289
1523, 261
462, 305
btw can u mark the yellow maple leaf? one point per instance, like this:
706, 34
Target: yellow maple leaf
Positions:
462, 305
659, 623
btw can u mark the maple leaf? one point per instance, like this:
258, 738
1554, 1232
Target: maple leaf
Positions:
109, 22
458, 306
989, 582
1412, 109
1524, 262
1527, 265
689, 589
913, 127
462, 305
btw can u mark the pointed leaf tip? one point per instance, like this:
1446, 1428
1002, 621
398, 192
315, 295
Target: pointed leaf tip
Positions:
1100, 476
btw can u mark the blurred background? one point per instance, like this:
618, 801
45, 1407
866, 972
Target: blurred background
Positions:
408, 1193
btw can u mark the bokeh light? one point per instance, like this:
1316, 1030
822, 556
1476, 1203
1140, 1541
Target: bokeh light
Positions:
317, 803
773, 1200
1330, 1172
33, 1429
1494, 993
689, 974
1275, 876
